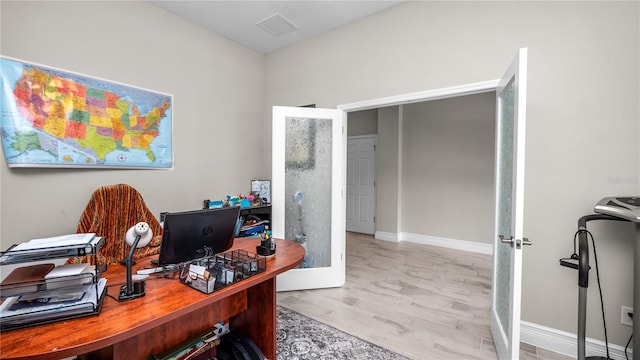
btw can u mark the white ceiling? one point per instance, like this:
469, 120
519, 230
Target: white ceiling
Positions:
237, 20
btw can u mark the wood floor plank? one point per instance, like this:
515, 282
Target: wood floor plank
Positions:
421, 301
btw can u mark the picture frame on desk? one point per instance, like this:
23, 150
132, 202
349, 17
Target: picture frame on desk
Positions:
262, 188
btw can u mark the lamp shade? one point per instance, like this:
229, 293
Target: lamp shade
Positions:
140, 229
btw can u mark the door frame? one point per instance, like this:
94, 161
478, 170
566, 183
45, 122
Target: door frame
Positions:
409, 98
428, 95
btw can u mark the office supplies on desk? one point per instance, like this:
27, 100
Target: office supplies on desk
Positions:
68, 275
62, 240
267, 246
38, 302
18, 311
150, 271
24, 279
216, 272
70, 299
253, 227
58, 246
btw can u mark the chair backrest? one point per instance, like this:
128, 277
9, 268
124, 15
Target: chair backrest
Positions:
111, 211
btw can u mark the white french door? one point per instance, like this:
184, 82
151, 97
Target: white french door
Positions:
509, 239
307, 197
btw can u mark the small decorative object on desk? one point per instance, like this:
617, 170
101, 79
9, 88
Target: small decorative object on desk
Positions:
212, 204
267, 246
244, 201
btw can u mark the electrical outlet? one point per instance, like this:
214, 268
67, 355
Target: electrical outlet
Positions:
626, 316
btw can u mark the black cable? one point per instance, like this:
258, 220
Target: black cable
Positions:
604, 323
627, 346
107, 292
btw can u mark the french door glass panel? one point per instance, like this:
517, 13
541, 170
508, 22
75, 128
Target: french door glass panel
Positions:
505, 199
507, 269
307, 199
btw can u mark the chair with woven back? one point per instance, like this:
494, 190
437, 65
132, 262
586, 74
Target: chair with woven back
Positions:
110, 212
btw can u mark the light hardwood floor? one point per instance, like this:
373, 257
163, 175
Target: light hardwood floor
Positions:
421, 301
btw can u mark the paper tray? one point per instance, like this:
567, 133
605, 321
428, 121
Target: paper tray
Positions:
53, 315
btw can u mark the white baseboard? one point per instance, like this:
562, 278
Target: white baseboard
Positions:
386, 236
566, 343
464, 245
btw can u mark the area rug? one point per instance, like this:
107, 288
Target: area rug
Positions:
299, 337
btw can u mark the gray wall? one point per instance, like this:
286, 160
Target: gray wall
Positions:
448, 152
363, 122
583, 125
388, 169
217, 116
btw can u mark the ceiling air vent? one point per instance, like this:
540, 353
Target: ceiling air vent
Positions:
277, 25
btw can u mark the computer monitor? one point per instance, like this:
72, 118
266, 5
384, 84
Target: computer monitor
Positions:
190, 235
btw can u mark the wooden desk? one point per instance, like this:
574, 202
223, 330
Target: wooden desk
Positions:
168, 314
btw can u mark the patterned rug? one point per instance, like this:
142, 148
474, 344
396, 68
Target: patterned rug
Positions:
299, 338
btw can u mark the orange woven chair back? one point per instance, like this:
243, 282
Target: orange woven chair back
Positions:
111, 211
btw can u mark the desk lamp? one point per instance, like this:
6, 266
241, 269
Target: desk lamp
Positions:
137, 236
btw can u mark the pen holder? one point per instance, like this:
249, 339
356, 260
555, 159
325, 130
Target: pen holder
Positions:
267, 246
266, 251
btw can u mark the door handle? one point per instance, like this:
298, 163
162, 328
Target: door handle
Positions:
506, 240
518, 243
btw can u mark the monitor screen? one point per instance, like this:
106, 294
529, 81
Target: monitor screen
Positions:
194, 234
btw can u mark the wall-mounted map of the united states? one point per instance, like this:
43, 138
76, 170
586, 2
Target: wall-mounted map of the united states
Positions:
79, 120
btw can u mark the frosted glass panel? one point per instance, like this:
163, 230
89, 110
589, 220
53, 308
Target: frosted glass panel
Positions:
505, 202
308, 144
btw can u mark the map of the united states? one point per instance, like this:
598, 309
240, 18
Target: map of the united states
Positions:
79, 121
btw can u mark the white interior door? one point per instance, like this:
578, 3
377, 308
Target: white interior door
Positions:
361, 189
509, 240
307, 197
